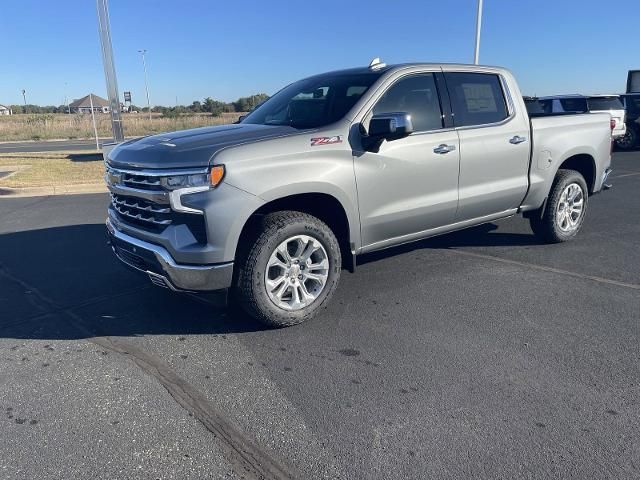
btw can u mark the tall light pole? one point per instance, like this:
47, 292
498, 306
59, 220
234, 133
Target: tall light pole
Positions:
146, 82
104, 30
24, 96
476, 56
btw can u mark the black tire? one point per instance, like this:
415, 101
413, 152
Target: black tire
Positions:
273, 229
545, 223
629, 141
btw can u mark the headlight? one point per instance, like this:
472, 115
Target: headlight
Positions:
211, 179
185, 181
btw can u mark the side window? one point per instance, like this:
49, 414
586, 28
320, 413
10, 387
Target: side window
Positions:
416, 95
476, 98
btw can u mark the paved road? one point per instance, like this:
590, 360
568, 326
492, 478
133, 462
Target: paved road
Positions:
50, 146
481, 354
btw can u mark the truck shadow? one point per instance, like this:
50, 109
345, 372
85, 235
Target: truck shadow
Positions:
485, 235
65, 283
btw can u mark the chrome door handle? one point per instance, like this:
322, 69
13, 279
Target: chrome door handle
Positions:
444, 148
517, 139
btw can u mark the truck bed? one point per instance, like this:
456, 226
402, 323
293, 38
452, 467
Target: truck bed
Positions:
558, 137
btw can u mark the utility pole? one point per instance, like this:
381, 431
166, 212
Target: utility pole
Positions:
476, 56
93, 118
146, 83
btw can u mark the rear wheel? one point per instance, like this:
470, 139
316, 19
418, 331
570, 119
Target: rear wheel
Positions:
291, 269
565, 210
629, 140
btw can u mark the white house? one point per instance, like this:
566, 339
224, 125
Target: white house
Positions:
4, 110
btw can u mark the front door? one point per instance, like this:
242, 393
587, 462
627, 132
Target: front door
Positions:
410, 185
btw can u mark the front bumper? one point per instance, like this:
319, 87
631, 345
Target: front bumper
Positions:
162, 270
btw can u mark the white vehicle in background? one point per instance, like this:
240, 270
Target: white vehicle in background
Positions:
611, 104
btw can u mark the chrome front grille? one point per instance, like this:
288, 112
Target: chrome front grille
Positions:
141, 210
140, 198
141, 181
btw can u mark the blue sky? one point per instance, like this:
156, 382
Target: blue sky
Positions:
199, 48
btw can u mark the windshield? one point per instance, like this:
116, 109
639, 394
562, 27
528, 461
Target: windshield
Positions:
605, 103
313, 102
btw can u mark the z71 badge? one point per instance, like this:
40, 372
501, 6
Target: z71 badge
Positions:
326, 140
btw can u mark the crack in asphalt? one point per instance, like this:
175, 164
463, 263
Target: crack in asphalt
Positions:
246, 457
545, 268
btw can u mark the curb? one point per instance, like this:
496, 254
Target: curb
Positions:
6, 192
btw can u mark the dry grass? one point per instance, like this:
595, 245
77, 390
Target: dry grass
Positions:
60, 126
51, 169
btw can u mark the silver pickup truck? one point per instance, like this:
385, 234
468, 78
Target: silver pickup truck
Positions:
340, 164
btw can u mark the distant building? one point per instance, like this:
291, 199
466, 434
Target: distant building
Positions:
4, 110
83, 105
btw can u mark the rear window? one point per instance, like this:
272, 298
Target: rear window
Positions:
477, 98
605, 103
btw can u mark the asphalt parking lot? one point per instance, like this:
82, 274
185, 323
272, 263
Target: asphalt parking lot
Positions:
480, 354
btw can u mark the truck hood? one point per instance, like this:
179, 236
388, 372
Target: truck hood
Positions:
190, 148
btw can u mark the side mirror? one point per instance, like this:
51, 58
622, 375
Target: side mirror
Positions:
390, 126
387, 126
241, 118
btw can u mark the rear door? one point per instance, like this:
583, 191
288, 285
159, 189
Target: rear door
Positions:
494, 144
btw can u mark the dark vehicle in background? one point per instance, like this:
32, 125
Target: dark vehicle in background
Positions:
632, 106
631, 139
573, 103
534, 106
633, 81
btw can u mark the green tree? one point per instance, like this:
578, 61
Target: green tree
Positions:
213, 106
246, 104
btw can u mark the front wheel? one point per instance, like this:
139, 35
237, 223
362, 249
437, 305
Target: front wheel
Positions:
290, 270
565, 210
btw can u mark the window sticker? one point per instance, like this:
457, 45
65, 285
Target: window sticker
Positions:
479, 98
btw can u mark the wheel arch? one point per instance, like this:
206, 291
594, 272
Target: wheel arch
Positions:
582, 163
321, 205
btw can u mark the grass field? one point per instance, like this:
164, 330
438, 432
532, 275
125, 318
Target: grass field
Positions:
74, 126
51, 169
